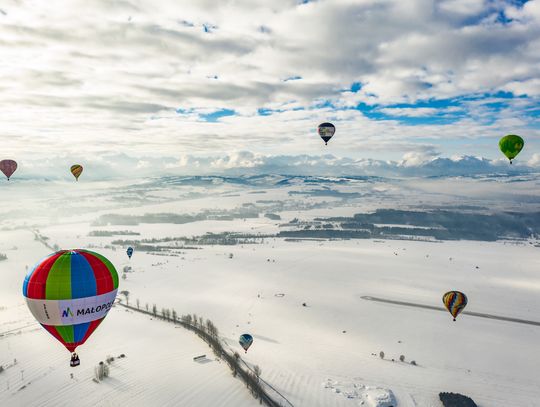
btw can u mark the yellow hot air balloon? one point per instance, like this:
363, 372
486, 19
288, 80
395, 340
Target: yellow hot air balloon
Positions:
76, 170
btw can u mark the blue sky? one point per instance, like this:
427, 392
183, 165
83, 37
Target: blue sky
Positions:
177, 79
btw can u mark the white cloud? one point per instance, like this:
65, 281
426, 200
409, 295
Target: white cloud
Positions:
415, 159
530, 87
534, 161
463, 7
409, 111
241, 159
110, 79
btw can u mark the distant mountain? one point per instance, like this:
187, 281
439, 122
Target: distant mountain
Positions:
250, 168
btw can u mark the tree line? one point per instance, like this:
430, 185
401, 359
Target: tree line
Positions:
208, 332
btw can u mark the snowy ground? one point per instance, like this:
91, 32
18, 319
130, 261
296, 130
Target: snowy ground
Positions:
166, 376
325, 354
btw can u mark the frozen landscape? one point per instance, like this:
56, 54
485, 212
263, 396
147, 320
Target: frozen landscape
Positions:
208, 246
284, 203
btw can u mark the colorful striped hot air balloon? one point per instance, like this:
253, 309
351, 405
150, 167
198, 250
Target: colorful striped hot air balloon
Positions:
76, 170
455, 302
8, 167
70, 292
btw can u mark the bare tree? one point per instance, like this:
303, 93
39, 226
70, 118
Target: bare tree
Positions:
211, 329
187, 319
101, 371
138, 304
125, 293
174, 316
257, 371
154, 310
234, 361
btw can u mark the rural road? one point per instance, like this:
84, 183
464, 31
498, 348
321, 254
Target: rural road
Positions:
474, 314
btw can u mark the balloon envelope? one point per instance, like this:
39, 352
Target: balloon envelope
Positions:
245, 341
8, 167
70, 292
511, 145
326, 131
76, 170
455, 302
129, 252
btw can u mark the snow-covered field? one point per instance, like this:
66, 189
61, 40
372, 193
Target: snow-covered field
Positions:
158, 368
324, 354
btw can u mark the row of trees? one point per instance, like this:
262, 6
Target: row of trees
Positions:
401, 358
209, 332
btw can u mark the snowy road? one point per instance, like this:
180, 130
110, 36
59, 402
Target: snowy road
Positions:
474, 314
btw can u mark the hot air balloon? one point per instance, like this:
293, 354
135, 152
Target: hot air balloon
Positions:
8, 167
511, 145
245, 341
76, 170
326, 131
69, 293
455, 302
129, 252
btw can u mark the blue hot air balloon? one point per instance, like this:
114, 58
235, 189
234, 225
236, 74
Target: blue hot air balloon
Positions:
245, 341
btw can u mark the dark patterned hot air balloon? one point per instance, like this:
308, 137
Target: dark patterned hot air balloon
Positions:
8, 167
326, 131
76, 170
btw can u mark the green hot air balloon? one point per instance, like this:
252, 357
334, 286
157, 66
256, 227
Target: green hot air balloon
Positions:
511, 145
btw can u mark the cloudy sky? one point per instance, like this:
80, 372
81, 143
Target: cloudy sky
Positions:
172, 83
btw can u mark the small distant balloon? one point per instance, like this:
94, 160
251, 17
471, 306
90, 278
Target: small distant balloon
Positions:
455, 302
76, 170
8, 167
511, 145
245, 341
129, 252
326, 131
